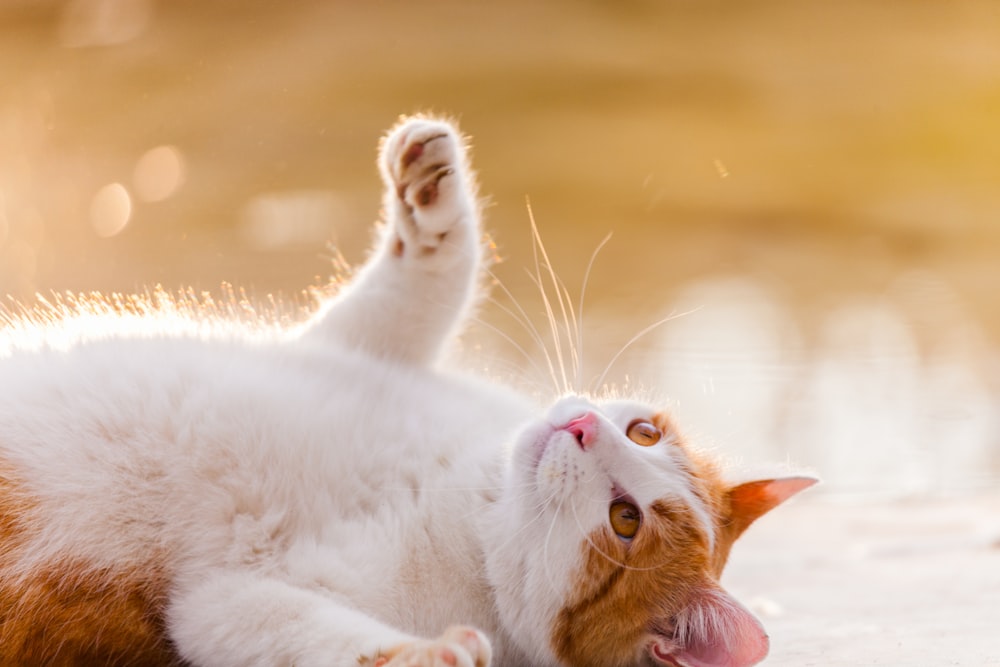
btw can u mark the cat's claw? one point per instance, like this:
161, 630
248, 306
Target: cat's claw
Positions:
428, 183
459, 646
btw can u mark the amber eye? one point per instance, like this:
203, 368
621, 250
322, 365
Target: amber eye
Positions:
643, 433
625, 519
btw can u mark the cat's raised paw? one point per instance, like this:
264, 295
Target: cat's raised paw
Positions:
428, 184
459, 646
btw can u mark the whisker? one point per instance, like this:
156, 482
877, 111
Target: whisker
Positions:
572, 333
583, 293
586, 536
550, 315
545, 550
557, 335
609, 557
633, 339
513, 343
556, 338
538, 515
521, 317
525, 321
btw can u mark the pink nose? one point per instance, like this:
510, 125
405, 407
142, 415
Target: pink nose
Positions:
583, 428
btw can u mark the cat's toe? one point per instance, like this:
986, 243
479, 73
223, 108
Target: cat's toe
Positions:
473, 641
459, 646
418, 151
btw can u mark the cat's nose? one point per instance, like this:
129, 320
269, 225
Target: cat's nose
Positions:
583, 428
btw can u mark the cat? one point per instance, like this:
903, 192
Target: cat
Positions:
185, 490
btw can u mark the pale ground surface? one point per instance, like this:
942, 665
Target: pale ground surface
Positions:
815, 184
875, 582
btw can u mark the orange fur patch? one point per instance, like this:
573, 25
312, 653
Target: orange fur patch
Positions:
71, 613
625, 590
708, 484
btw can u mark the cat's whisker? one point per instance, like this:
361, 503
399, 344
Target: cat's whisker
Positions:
610, 558
590, 541
540, 512
525, 321
513, 343
532, 332
521, 317
539, 247
556, 346
572, 333
505, 370
631, 341
536, 278
549, 578
583, 294
554, 332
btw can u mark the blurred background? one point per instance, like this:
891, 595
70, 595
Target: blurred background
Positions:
808, 192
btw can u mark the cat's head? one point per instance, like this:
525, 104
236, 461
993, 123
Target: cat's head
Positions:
608, 543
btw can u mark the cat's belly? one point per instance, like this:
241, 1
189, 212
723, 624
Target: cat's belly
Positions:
230, 455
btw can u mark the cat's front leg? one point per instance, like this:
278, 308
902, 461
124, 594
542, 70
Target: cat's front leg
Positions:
228, 618
415, 288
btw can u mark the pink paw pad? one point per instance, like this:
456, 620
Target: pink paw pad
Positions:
412, 154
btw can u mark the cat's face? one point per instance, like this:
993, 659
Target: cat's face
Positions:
627, 532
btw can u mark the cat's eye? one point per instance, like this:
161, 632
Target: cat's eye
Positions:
625, 519
644, 433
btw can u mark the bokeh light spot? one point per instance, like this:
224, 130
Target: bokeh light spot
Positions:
103, 22
110, 210
158, 173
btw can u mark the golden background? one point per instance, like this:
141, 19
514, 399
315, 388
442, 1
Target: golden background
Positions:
817, 184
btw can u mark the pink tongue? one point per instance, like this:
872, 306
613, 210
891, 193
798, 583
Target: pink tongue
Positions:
708, 656
750, 649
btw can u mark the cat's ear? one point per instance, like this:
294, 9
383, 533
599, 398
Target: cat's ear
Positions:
751, 500
714, 630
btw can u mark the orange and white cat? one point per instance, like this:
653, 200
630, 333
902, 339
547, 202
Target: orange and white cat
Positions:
208, 493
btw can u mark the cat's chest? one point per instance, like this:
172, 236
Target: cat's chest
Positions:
384, 440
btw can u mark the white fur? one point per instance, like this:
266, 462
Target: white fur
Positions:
320, 494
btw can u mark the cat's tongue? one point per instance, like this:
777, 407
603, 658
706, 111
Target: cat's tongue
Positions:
719, 656
709, 656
